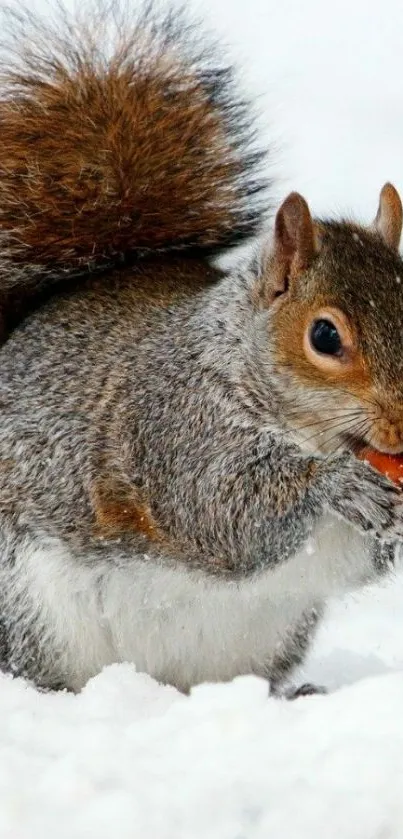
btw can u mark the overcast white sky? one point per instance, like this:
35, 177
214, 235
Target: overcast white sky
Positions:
329, 81
330, 75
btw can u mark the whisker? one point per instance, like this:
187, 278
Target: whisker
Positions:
328, 419
342, 412
345, 423
329, 422
359, 430
337, 427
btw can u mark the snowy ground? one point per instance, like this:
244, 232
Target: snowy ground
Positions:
129, 758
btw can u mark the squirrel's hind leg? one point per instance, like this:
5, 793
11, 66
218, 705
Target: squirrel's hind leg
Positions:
307, 689
292, 655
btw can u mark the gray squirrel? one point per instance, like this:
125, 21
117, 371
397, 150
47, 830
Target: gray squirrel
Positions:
178, 480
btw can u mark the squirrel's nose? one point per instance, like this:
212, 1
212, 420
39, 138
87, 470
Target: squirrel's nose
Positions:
386, 432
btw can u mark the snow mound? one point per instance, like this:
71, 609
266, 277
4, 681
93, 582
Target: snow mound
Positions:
130, 758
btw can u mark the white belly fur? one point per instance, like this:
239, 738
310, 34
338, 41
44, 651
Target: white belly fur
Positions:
180, 627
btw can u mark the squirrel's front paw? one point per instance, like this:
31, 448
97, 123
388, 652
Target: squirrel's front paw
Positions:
366, 498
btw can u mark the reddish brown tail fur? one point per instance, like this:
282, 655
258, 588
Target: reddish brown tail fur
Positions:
102, 157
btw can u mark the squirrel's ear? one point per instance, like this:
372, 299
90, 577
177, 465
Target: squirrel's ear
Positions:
294, 241
389, 218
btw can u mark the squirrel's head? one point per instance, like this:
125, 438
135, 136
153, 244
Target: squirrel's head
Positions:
333, 293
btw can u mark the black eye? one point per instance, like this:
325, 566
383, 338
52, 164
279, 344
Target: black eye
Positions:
325, 338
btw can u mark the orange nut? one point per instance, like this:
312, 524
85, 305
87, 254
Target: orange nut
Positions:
390, 465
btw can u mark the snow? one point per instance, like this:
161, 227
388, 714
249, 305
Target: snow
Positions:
128, 758
131, 758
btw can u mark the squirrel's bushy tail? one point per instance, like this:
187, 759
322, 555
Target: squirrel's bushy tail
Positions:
120, 137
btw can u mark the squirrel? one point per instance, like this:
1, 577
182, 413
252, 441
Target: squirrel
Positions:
178, 480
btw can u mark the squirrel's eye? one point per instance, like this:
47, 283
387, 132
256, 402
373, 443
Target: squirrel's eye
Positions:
325, 338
